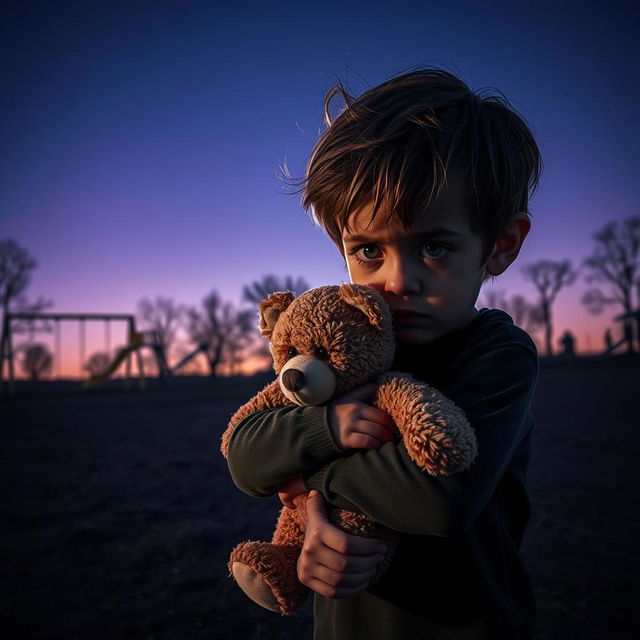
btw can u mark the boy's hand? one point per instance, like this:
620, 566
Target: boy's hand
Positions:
334, 563
290, 490
357, 425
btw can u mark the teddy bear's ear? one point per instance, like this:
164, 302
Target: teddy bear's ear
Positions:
270, 309
369, 301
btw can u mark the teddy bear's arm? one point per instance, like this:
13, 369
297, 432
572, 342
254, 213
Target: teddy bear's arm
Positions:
271, 397
435, 431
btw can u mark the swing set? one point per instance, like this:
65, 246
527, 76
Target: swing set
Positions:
136, 341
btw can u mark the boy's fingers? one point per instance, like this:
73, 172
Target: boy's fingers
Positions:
373, 428
287, 500
341, 563
342, 578
363, 441
335, 539
365, 392
347, 544
316, 510
330, 591
383, 418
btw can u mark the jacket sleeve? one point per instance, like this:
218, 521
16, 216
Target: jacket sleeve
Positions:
269, 447
495, 393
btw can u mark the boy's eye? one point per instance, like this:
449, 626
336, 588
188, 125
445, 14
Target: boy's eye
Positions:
368, 252
292, 352
434, 251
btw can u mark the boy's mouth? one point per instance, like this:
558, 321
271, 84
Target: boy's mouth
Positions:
406, 317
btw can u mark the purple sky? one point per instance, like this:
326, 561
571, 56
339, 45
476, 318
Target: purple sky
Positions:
141, 141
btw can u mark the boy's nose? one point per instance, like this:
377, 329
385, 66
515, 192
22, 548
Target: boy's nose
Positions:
402, 279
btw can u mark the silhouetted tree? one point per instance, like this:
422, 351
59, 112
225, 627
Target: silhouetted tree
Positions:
235, 351
493, 299
524, 313
221, 326
163, 316
615, 261
262, 352
16, 265
257, 291
549, 278
37, 360
97, 363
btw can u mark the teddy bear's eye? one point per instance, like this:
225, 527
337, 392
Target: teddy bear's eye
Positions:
291, 352
321, 353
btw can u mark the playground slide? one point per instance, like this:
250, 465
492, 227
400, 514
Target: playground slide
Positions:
190, 356
98, 378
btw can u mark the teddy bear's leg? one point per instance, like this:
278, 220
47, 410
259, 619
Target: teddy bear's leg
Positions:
267, 571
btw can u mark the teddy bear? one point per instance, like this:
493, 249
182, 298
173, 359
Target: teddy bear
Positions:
324, 343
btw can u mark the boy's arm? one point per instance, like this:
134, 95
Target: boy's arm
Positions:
494, 392
269, 447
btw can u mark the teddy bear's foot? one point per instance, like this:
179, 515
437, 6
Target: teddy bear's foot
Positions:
254, 586
267, 573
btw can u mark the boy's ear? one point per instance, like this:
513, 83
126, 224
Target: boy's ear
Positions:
367, 300
270, 308
508, 245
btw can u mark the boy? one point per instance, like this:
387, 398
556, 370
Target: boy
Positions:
423, 186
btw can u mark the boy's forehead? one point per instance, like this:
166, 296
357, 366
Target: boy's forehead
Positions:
435, 220
449, 211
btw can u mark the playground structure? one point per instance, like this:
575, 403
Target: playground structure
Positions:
630, 334
201, 348
135, 342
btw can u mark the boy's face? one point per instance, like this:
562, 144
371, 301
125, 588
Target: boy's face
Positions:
430, 275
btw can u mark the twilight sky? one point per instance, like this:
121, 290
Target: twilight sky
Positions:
141, 141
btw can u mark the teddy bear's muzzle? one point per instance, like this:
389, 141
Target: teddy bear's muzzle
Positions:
307, 381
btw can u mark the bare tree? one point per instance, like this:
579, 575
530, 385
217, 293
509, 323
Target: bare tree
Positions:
615, 261
16, 265
220, 326
493, 299
524, 313
261, 352
163, 316
37, 360
257, 291
97, 363
236, 350
549, 278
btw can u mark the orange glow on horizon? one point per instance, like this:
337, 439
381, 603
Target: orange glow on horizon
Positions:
587, 329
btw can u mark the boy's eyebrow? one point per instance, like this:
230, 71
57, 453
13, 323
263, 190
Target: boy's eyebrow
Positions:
437, 232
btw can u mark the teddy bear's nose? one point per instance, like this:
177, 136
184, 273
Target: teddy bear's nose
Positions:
293, 379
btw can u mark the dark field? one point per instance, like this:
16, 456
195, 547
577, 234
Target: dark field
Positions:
118, 513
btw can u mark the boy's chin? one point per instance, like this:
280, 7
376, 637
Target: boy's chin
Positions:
414, 335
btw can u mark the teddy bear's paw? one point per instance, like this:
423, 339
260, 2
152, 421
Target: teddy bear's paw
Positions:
267, 573
255, 587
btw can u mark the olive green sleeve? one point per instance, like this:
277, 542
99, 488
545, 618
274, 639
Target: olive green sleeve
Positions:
386, 485
269, 447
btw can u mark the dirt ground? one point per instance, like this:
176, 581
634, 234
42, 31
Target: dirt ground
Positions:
118, 513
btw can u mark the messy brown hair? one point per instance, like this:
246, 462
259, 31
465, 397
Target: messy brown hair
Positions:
398, 142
